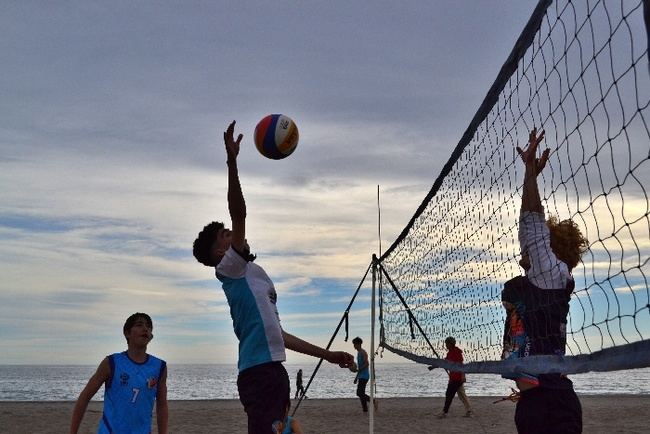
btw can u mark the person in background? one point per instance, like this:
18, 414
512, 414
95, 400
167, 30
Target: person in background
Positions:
362, 369
300, 390
456, 380
133, 380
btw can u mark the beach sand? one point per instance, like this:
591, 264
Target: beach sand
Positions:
601, 414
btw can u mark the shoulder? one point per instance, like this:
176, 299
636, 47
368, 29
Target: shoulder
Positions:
106, 365
157, 362
156, 359
232, 265
512, 288
515, 282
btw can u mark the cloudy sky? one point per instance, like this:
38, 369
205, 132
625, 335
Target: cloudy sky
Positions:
111, 157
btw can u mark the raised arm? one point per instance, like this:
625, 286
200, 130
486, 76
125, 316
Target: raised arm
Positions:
542, 266
236, 203
530, 200
99, 377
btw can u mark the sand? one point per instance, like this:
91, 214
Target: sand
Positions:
601, 414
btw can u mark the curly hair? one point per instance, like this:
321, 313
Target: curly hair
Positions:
203, 243
567, 242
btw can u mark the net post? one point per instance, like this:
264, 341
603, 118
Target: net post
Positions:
371, 415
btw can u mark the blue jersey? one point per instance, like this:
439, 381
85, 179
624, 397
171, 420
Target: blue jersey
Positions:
129, 394
252, 297
364, 374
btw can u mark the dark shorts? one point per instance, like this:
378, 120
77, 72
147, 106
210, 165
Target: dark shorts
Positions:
556, 411
264, 392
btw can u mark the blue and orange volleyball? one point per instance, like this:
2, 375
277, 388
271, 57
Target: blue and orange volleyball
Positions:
276, 136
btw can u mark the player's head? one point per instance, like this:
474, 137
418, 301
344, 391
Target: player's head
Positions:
138, 325
567, 242
450, 342
211, 244
357, 342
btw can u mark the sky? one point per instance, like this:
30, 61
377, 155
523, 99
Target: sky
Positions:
112, 158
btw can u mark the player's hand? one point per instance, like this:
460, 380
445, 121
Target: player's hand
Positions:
232, 145
529, 155
341, 358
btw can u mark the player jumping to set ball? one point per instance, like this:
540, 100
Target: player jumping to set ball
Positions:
262, 382
537, 305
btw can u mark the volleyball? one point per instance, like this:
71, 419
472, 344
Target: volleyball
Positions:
276, 136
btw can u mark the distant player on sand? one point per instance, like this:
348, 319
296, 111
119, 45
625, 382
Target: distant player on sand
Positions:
537, 305
133, 380
362, 369
300, 389
456, 380
263, 383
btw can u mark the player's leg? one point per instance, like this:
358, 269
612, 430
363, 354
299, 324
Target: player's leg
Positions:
463, 397
361, 393
565, 412
531, 414
452, 388
264, 391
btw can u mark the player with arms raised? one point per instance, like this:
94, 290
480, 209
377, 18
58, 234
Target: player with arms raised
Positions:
262, 382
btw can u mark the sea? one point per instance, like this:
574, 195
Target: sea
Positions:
213, 381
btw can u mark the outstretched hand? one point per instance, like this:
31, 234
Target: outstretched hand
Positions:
529, 155
232, 145
341, 358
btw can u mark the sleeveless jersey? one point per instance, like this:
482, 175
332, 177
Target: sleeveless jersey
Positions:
251, 297
129, 394
364, 374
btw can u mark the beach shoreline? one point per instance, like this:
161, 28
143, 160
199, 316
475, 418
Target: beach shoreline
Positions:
601, 414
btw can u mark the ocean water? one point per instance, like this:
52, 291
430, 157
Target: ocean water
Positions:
188, 382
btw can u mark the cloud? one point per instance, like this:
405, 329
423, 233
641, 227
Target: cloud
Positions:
111, 157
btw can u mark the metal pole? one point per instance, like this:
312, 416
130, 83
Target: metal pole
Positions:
372, 346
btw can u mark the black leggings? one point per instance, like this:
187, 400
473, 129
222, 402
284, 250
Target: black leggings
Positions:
361, 393
452, 388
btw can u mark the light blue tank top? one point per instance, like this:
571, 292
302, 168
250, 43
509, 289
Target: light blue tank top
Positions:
129, 394
364, 374
252, 300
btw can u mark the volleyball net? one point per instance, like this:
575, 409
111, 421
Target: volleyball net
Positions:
579, 71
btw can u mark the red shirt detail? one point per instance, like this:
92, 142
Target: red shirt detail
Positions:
455, 355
